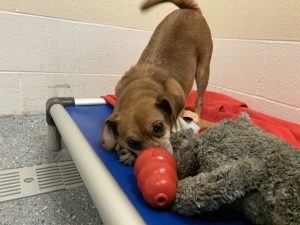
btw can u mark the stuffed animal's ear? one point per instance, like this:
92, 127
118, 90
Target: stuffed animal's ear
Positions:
171, 104
109, 133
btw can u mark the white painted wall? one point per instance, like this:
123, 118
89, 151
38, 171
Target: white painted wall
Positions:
264, 74
243, 19
42, 57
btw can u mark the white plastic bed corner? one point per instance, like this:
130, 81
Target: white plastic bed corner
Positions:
112, 204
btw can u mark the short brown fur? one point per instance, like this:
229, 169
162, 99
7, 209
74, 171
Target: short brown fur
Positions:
155, 89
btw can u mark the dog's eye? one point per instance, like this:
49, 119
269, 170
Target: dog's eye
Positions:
137, 145
158, 129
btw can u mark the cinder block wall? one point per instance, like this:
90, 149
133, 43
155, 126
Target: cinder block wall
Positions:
81, 48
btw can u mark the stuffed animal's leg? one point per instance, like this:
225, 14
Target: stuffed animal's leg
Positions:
179, 125
208, 191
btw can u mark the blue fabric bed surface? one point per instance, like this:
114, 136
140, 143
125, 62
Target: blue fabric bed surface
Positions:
90, 119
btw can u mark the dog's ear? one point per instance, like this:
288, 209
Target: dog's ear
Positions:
109, 133
172, 100
171, 104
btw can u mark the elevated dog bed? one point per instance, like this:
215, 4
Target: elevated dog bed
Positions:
111, 184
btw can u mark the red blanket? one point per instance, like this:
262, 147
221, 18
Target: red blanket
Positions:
217, 107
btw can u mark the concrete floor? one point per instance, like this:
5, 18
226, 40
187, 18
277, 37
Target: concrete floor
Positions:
23, 142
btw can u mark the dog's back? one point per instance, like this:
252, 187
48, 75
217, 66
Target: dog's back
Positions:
179, 42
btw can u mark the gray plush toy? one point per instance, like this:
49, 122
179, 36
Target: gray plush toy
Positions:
237, 164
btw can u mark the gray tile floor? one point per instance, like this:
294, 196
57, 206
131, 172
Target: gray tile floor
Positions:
23, 142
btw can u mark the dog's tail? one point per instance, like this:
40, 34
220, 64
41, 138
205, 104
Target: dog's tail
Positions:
182, 4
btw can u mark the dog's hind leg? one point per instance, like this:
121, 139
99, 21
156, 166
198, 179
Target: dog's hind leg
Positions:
202, 76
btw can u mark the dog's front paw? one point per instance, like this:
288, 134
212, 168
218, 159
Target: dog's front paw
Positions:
125, 156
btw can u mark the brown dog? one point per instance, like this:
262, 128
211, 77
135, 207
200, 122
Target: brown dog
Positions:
151, 95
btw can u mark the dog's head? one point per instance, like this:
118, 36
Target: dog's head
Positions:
143, 124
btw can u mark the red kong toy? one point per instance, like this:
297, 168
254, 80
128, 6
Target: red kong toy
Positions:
155, 170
